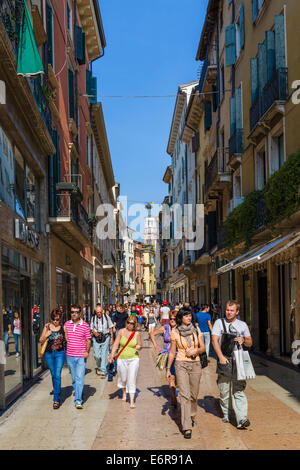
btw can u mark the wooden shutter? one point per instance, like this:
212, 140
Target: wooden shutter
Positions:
71, 93
232, 115
49, 28
238, 109
230, 44
254, 10
270, 45
280, 42
242, 26
254, 78
80, 45
262, 66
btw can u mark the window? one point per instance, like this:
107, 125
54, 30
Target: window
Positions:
222, 83
261, 169
71, 94
69, 20
277, 153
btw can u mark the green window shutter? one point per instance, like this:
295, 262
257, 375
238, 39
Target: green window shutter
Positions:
49, 28
232, 115
280, 42
93, 90
270, 45
57, 162
230, 45
242, 25
207, 115
238, 108
80, 45
88, 81
254, 10
254, 78
262, 66
71, 94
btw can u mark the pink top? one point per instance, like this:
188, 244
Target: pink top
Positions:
77, 336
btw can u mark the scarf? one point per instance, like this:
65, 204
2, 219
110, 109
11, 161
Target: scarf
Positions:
187, 333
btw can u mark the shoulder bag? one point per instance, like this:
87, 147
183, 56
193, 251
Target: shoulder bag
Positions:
129, 339
44, 347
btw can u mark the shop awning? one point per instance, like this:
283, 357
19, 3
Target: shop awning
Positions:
261, 253
29, 61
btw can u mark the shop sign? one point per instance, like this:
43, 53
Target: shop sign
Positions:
26, 235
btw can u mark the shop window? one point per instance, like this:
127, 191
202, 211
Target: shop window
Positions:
7, 172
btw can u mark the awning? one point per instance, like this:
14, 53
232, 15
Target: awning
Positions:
262, 252
29, 61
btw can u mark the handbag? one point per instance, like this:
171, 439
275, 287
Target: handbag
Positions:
161, 360
44, 347
227, 342
203, 360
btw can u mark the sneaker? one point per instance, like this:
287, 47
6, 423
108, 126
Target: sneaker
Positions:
225, 419
17, 354
243, 424
78, 405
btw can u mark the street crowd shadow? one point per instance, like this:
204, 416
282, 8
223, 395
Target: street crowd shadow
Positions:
174, 413
118, 394
88, 392
66, 392
210, 405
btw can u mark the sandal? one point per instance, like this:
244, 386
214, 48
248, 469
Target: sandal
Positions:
98, 371
56, 405
187, 434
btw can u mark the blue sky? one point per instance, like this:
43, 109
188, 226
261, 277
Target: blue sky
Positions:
151, 49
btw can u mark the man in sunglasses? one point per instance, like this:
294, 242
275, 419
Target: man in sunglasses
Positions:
78, 338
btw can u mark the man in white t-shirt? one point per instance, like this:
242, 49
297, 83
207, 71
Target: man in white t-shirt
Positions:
164, 313
243, 337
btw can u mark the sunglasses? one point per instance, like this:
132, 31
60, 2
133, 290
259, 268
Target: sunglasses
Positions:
75, 311
130, 323
56, 319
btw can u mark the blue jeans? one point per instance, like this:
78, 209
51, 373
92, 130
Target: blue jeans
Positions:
5, 339
206, 339
77, 370
101, 353
55, 361
16, 342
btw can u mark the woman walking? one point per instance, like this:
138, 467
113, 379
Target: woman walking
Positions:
166, 332
55, 352
17, 331
187, 341
128, 340
151, 320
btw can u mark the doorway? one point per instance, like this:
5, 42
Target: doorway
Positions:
26, 326
262, 282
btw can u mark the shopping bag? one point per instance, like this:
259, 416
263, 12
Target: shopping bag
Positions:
248, 366
161, 360
239, 362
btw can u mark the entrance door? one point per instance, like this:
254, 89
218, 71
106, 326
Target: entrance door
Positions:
284, 347
26, 325
263, 310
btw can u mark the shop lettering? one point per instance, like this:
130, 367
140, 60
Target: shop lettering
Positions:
25, 235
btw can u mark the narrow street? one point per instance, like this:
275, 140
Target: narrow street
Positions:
108, 423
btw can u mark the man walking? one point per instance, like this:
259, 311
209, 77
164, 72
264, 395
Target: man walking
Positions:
102, 331
228, 385
203, 320
164, 313
78, 338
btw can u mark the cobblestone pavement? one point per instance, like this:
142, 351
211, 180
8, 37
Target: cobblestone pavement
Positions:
108, 423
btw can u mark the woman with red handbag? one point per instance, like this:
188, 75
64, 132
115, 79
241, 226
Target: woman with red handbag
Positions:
129, 342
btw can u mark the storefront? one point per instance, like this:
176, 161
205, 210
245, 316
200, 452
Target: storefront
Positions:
23, 317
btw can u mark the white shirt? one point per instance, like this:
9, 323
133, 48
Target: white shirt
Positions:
238, 327
101, 325
165, 313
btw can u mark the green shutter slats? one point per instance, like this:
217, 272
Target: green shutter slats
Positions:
71, 93
262, 66
254, 10
254, 78
270, 46
93, 90
49, 28
80, 45
230, 45
280, 42
242, 26
232, 115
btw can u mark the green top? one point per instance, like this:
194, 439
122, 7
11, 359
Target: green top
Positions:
130, 351
134, 313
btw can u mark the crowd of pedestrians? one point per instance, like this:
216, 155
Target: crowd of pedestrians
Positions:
188, 333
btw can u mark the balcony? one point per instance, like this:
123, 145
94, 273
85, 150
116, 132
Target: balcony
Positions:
209, 69
70, 221
270, 103
217, 177
11, 15
41, 101
236, 148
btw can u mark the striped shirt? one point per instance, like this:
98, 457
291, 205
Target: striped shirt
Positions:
77, 336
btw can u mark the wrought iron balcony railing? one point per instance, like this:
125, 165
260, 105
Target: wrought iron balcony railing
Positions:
68, 208
236, 143
11, 15
217, 166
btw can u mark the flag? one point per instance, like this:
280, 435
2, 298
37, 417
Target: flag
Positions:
29, 61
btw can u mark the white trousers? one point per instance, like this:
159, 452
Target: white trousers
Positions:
127, 373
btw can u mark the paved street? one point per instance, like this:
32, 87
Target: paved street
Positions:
108, 423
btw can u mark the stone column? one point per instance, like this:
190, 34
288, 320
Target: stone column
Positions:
273, 310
